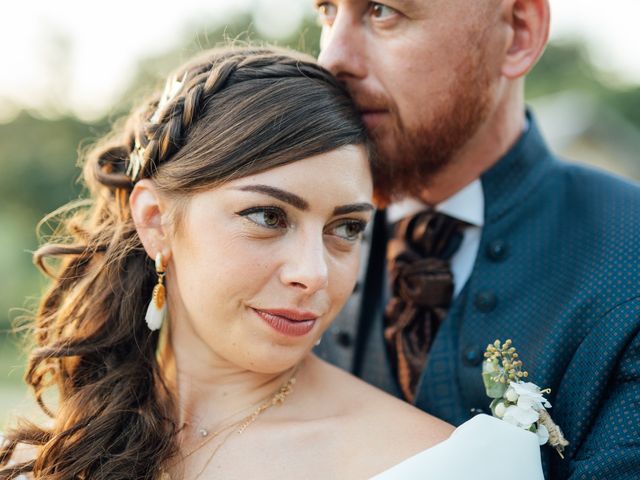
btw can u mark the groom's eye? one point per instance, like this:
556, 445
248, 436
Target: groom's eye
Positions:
380, 11
326, 13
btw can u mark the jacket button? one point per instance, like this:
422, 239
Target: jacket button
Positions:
497, 250
473, 356
343, 338
486, 301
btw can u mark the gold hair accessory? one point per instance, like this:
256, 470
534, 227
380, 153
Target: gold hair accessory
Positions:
157, 309
136, 157
135, 161
171, 89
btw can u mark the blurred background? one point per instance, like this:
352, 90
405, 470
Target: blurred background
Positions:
70, 68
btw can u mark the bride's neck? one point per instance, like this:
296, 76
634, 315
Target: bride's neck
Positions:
210, 390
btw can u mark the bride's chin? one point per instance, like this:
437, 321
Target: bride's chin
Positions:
278, 360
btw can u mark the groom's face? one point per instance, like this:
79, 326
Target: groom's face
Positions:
421, 72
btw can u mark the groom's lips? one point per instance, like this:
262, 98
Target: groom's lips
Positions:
294, 323
372, 106
372, 118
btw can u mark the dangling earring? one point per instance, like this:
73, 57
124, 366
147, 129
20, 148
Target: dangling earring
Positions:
158, 305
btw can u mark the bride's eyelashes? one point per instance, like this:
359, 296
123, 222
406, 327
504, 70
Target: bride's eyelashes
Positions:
266, 216
347, 229
275, 218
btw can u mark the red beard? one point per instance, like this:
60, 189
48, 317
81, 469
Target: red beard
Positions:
408, 157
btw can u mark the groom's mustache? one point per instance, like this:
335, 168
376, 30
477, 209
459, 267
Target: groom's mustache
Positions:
367, 101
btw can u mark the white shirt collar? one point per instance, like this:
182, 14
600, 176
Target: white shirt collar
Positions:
467, 205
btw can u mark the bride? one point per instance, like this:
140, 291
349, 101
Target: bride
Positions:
221, 238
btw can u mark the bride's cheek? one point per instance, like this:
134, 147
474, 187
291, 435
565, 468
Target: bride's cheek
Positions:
344, 278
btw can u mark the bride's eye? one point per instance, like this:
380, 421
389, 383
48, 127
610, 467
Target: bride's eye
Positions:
350, 230
268, 217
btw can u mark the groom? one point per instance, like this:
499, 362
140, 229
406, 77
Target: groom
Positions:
508, 242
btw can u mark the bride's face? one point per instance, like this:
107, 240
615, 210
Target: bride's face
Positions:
261, 265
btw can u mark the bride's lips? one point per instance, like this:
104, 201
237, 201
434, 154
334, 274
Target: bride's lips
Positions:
294, 323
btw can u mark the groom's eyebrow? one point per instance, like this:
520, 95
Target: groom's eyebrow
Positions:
282, 195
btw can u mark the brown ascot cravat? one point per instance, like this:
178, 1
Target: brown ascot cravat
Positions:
421, 289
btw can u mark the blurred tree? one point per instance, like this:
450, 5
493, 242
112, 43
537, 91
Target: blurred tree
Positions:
239, 30
38, 160
626, 102
566, 66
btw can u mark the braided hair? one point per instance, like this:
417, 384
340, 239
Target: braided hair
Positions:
236, 112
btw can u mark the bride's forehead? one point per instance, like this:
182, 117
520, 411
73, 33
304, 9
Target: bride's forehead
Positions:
323, 182
336, 161
345, 169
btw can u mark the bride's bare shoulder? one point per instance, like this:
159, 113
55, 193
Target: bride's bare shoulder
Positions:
386, 413
384, 424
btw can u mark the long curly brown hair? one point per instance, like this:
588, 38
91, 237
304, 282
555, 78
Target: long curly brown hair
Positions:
238, 112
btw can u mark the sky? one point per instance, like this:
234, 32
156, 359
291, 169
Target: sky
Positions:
106, 39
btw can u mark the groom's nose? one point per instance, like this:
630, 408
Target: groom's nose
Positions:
343, 48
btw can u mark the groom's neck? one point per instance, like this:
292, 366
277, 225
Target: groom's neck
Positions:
494, 138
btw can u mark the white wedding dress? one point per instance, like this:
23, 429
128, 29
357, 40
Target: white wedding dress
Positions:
484, 448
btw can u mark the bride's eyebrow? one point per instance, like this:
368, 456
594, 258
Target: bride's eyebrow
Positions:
300, 203
353, 207
282, 195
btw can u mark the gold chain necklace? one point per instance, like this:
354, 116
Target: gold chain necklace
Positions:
277, 398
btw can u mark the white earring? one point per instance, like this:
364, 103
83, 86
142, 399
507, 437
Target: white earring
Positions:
319, 341
157, 309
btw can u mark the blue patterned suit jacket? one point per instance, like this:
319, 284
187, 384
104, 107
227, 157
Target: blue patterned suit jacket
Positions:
558, 272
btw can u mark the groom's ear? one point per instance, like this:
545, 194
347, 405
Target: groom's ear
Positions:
528, 23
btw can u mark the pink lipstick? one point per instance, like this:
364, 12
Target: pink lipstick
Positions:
294, 323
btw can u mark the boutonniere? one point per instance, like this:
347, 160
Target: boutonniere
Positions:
516, 401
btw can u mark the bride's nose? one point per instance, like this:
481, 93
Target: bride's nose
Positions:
305, 265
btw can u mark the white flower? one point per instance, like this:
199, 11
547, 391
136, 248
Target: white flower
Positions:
530, 402
500, 410
529, 396
521, 417
511, 395
543, 434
